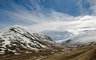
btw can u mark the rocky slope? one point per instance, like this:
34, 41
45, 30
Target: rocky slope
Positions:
18, 39
82, 53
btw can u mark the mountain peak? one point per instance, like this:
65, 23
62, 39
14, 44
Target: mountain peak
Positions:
18, 37
18, 28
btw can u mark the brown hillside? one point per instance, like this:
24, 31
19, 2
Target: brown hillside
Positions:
84, 53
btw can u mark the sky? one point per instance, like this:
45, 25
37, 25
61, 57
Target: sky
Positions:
49, 15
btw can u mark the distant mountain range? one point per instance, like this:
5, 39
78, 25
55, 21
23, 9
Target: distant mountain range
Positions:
84, 38
58, 35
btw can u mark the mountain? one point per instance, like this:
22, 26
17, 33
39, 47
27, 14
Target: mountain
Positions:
58, 36
17, 39
85, 38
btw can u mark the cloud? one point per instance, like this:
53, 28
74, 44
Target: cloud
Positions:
92, 6
84, 7
51, 20
75, 26
21, 14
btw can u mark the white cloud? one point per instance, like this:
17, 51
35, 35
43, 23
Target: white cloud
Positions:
92, 6
51, 21
76, 25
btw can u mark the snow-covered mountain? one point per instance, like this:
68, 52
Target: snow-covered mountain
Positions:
58, 36
80, 31
84, 38
17, 38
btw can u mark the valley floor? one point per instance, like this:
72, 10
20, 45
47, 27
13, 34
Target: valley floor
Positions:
83, 53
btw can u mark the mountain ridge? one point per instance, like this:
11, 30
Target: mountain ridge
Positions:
17, 38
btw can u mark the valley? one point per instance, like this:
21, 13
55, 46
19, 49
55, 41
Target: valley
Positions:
17, 43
